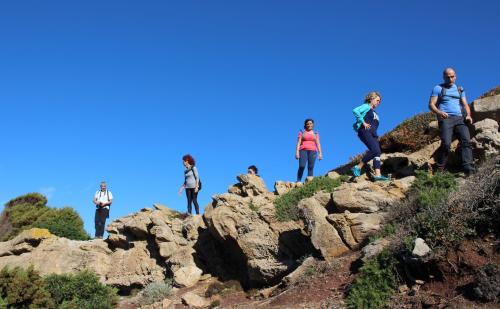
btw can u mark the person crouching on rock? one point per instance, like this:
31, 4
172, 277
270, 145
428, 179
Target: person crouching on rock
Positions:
191, 183
366, 125
252, 170
308, 148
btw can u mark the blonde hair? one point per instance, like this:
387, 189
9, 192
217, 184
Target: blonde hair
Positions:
372, 95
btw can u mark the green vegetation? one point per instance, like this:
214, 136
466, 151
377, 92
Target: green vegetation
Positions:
409, 136
376, 283
31, 210
80, 291
156, 291
286, 205
253, 207
21, 288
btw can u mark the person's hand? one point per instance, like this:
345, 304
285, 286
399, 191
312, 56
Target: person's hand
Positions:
320, 156
196, 190
468, 119
297, 155
366, 125
180, 192
443, 115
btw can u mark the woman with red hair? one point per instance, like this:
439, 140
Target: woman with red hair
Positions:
191, 183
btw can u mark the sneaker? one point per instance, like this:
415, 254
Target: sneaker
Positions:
470, 171
381, 178
356, 171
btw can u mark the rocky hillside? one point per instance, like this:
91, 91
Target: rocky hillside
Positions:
243, 236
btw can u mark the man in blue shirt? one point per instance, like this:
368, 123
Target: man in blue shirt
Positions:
447, 101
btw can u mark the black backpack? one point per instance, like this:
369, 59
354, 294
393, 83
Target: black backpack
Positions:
199, 180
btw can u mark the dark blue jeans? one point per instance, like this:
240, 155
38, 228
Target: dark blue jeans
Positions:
101, 214
371, 141
448, 126
309, 157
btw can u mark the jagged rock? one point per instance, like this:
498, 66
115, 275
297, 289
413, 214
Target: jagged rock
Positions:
299, 273
488, 107
333, 175
133, 267
404, 165
24, 242
324, 236
136, 225
487, 138
252, 185
374, 248
355, 228
365, 196
324, 199
421, 249
187, 276
258, 244
192, 299
282, 187
432, 128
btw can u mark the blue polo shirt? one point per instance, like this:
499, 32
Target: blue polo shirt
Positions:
450, 102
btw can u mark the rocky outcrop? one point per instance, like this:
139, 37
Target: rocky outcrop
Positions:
488, 107
263, 247
486, 142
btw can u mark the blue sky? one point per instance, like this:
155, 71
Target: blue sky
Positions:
120, 90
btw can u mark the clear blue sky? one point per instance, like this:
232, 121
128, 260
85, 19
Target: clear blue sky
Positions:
120, 90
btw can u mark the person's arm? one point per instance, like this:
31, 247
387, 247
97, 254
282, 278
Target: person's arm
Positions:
359, 113
435, 109
182, 188
297, 148
318, 144
196, 178
95, 200
464, 103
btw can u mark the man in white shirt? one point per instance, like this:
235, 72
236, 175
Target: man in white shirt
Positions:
102, 200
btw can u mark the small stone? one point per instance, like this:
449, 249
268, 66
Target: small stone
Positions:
421, 249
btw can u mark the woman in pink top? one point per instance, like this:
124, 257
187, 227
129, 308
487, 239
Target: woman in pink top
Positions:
307, 149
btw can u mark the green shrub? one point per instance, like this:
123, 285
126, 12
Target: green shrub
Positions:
3, 303
31, 210
81, 290
375, 284
63, 222
156, 291
408, 136
21, 289
286, 205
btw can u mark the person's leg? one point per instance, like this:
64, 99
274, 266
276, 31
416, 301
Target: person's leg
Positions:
189, 195
302, 164
195, 202
311, 159
446, 134
100, 221
464, 136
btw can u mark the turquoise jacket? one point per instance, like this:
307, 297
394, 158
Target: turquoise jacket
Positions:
360, 113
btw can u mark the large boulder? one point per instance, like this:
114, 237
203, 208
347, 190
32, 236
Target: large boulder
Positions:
488, 107
369, 197
324, 236
486, 142
355, 228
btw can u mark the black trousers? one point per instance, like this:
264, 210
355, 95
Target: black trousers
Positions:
101, 214
192, 197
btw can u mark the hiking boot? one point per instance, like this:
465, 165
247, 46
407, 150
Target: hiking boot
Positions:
381, 178
356, 171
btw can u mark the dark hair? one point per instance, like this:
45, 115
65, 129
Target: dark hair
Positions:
189, 159
254, 168
307, 120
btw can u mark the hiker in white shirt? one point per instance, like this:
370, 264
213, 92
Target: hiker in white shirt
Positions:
102, 200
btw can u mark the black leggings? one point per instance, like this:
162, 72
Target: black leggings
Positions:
192, 198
